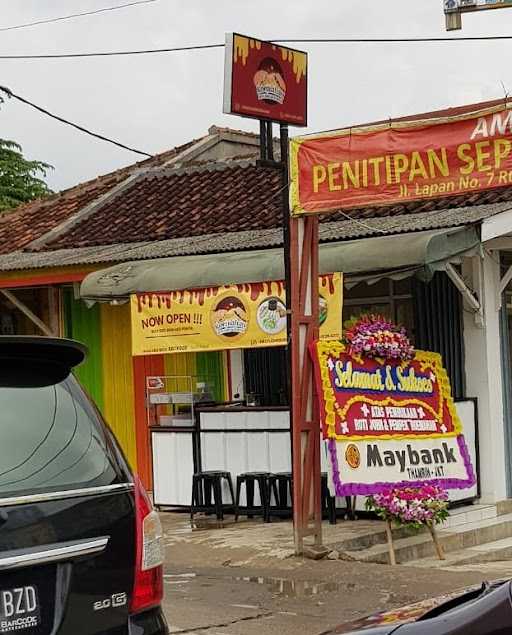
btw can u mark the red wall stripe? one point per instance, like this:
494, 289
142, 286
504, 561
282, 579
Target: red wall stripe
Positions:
44, 279
144, 366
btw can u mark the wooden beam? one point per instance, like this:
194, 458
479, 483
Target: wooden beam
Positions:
26, 311
301, 280
307, 513
503, 242
466, 292
54, 309
505, 280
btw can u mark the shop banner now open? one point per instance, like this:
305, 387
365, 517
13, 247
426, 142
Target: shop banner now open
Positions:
401, 161
217, 318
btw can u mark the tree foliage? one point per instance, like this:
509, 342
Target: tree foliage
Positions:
21, 180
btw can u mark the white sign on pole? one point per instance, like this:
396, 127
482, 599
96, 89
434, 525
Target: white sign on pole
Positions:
454, 9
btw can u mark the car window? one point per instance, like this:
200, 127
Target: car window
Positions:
51, 438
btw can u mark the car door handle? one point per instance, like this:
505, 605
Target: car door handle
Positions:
20, 558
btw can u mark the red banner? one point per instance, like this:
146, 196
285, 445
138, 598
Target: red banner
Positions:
265, 81
372, 398
401, 161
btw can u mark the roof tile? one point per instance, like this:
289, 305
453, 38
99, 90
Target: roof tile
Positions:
179, 203
34, 219
195, 200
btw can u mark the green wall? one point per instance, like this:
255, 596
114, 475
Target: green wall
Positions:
210, 368
83, 324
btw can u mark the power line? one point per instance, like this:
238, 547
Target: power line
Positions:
9, 93
109, 53
74, 15
199, 47
393, 40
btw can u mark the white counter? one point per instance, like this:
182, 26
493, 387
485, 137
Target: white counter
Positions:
238, 440
235, 440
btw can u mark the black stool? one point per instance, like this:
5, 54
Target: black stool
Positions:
204, 484
328, 501
249, 479
351, 508
329, 504
280, 485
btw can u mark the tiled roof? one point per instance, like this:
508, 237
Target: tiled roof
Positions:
451, 111
209, 199
198, 207
207, 243
30, 221
356, 227
226, 197
249, 239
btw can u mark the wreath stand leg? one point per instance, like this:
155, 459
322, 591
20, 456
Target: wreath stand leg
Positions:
437, 544
391, 548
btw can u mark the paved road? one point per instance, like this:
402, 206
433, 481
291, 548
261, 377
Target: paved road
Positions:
244, 580
304, 601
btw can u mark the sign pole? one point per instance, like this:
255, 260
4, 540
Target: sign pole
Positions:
269, 82
301, 281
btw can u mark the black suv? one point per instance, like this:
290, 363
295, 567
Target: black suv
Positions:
80, 545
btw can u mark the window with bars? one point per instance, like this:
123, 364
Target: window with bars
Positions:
389, 298
265, 375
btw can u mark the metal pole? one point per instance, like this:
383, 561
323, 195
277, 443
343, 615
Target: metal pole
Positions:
270, 142
263, 140
285, 203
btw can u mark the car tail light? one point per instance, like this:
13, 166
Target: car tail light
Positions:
148, 584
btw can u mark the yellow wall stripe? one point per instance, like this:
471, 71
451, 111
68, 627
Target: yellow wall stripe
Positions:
181, 364
118, 395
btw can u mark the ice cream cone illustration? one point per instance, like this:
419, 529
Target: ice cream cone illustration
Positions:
269, 82
230, 317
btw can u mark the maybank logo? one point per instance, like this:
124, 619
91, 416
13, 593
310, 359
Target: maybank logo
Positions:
353, 456
417, 464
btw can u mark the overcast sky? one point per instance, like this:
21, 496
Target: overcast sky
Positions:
154, 102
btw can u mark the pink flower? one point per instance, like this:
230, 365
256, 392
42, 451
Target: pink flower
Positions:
416, 505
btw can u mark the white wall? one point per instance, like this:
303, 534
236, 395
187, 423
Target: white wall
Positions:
483, 373
237, 374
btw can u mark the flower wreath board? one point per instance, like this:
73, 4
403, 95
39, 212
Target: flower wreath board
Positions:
388, 417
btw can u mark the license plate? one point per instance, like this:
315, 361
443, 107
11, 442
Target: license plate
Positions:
19, 609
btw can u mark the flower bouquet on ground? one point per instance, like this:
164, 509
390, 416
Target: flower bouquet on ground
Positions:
415, 507
375, 336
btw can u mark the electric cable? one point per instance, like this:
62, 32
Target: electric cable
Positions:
10, 94
199, 47
72, 16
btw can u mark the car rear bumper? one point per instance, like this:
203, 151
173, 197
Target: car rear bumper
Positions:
150, 622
